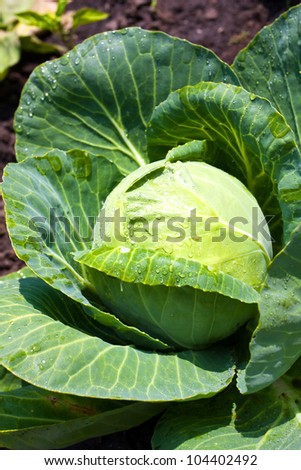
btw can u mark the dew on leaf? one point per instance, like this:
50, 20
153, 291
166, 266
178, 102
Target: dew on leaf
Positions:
34, 348
64, 60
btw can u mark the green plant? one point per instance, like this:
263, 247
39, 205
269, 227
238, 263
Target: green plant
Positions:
119, 142
20, 27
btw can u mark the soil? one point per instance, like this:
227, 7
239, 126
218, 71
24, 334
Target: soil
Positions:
221, 25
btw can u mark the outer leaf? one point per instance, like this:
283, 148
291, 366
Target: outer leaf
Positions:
276, 342
86, 16
10, 52
32, 418
267, 420
277, 78
52, 203
152, 268
119, 77
253, 141
37, 347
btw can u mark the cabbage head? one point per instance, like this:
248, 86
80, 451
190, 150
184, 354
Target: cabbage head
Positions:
194, 214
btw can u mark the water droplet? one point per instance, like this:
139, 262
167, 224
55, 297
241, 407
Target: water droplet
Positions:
64, 60
34, 348
77, 61
19, 128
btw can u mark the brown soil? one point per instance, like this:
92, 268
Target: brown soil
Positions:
222, 25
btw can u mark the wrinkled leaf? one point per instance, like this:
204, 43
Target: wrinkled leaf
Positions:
37, 347
268, 420
52, 204
86, 16
277, 78
119, 77
276, 342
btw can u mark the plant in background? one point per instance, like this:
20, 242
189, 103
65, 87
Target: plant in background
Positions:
147, 171
21, 23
